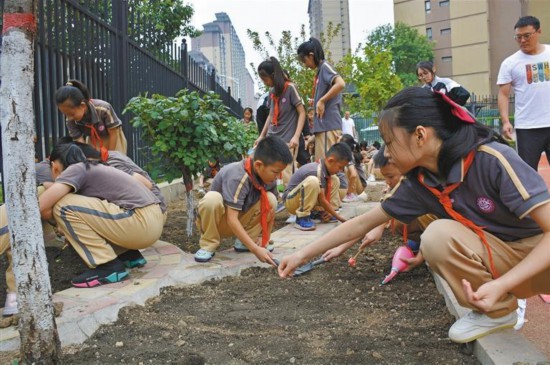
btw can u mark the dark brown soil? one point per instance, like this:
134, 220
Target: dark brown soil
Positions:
332, 315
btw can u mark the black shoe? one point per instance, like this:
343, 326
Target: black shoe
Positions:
107, 273
132, 258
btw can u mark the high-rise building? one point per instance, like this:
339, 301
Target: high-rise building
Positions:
472, 37
220, 44
323, 12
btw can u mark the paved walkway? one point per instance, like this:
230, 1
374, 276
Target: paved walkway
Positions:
86, 309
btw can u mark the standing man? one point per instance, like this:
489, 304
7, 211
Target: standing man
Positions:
348, 126
527, 72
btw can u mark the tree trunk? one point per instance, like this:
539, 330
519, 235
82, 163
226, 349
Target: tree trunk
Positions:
190, 200
37, 327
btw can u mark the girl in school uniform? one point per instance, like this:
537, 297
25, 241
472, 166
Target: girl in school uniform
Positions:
287, 113
326, 98
101, 211
491, 242
89, 120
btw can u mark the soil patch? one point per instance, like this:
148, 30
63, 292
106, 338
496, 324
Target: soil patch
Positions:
332, 315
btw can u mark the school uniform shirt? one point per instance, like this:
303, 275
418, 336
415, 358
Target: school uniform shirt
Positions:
317, 169
287, 120
236, 188
107, 183
343, 180
530, 78
331, 119
498, 193
361, 173
100, 115
124, 163
43, 172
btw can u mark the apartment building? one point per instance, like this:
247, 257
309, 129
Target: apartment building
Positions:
321, 13
472, 37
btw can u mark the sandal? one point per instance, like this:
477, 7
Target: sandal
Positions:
203, 256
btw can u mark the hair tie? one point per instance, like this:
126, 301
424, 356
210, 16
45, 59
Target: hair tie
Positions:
458, 111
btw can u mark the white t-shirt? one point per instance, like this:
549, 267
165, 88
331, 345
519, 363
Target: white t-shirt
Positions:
530, 79
347, 126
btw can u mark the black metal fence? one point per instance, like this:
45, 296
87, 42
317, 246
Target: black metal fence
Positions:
113, 48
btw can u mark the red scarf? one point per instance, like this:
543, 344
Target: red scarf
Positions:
96, 140
447, 204
405, 230
275, 99
265, 207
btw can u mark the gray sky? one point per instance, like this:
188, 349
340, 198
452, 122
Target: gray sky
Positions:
278, 15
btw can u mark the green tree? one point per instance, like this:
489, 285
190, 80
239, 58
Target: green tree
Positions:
373, 79
407, 46
184, 132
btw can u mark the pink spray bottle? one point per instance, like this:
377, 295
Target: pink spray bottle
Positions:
397, 265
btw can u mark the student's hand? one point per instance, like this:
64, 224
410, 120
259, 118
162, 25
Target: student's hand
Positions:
507, 130
413, 262
257, 141
333, 253
290, 263
486, 295
264, 256
294, 142
320, 109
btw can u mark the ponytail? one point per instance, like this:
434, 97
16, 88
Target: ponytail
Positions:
272, 68
313, 47
75, 91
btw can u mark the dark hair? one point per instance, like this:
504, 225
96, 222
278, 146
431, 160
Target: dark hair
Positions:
425, 65
251, 112
272, 68
526, 21
272, 149
314, 47
68, 154
75, 91
89, 150
340, 151
379, 159
363, 145
376, 145
354, 146
414, 106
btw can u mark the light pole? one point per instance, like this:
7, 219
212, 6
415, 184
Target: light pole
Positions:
235, 81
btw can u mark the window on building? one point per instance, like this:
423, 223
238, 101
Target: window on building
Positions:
427, 6
444, 3
429, 33
445, 31
447, 59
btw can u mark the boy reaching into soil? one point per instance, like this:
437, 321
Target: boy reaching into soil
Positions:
316, 184
241, 202
411, 232
492, 241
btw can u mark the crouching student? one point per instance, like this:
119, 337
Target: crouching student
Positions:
118, 160
410, 232
492, 241
241, 202
101, 211
314, 186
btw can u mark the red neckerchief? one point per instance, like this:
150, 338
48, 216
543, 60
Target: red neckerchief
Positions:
445, 200
405, 232
275, 99
265, 207
96, 141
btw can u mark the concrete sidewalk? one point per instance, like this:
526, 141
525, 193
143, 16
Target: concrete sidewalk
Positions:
86, 309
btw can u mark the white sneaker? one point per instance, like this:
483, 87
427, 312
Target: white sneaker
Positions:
10, 308
371, 178
349, 198
522, 305
475, 325
291, 219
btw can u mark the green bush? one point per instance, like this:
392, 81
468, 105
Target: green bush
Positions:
187, 130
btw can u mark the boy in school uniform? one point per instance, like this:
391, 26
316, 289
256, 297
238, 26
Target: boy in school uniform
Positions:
242, 200
316, 184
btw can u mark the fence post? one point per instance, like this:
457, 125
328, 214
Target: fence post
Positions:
185, 63
120, 68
